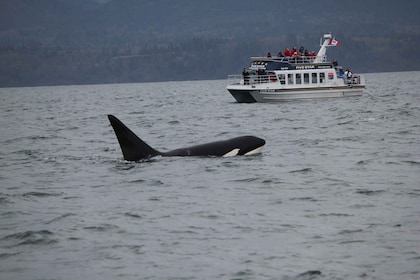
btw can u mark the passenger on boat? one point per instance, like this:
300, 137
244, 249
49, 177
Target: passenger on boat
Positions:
280, 54
245, 75
340, 72
269, 54
302, 50
286, 52
308, 56
261, 71
348, 73
294, 52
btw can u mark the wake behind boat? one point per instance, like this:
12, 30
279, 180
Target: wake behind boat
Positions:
295, 75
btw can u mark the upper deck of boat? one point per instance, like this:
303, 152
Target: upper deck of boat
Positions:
289, 63
291, 59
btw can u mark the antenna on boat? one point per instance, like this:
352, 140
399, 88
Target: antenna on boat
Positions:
320, 57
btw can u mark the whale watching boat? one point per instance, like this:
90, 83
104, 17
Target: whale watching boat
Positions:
295, 75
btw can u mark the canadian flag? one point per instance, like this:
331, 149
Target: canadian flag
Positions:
334, 42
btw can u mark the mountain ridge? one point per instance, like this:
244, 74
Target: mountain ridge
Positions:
49, 42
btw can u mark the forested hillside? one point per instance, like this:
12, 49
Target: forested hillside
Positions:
54, 42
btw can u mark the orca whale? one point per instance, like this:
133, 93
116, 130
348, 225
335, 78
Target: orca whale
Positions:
135, 149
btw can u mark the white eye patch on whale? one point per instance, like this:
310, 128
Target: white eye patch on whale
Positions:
135, 149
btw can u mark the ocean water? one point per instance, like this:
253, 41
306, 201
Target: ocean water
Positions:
334, 195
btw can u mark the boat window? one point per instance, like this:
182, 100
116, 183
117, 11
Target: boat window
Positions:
314, 78
290, 79
306, 78
282, 79
321, 77
298, 78
330, 75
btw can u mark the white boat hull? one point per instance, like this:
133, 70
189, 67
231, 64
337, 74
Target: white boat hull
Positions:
246, 95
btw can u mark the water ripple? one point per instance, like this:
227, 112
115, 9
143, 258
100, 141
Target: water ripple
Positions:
41, 237
334, 191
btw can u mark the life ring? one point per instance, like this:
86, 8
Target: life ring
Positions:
273, 78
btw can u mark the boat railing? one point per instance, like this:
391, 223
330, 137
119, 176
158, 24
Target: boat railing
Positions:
235, 79
251, 79
304, 59
355, 79
293, 59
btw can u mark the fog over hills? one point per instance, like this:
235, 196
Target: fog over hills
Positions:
52, 42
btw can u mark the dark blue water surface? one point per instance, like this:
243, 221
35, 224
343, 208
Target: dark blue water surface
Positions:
334, 195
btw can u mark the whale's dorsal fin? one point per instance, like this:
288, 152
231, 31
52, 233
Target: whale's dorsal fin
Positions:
133, 148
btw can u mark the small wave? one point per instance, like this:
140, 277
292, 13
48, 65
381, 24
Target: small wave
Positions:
211, 216
308, 198
182, 232
230, 164
137, 181
101, 228
360, 206
41, 237
71, 197
369, 192
124, 165
335, 215
245, 180
350, 231
351, 241
345, 122
244, 274
133, 215
40, 137
4, 200
173, 122
40, 194
278, 201
303, 170
412, 162
7, 255
25, 152
363, 162
309, 275
60, 218
414, 192
153, 183
267, 181
244, 229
